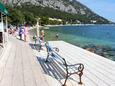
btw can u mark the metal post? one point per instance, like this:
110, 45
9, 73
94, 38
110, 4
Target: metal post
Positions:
37, 27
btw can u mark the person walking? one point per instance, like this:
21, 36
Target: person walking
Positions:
57, 36
42, 35
25, 32
20, 32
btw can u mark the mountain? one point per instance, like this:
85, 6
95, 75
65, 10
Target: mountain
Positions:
72, 7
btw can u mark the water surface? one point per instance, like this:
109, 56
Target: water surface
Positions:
99, 36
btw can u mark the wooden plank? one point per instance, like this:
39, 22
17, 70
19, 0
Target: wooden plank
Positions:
3, 61
37, 70
83, 54
18, 78
20, 66
107, 69
93, 78
8, 70
97, 57
94, 64
29, 79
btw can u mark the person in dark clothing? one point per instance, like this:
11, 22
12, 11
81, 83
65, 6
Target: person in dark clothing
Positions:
20, 32
57, 36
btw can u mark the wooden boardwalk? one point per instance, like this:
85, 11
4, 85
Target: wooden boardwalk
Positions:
22, 65
19, 66
98, 71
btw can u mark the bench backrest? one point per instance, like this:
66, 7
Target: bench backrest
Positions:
54, 53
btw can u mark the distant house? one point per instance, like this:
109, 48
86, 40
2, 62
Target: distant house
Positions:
78, 21
53, 19
3, 25
93, 21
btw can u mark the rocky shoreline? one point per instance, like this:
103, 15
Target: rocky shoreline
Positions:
104, 51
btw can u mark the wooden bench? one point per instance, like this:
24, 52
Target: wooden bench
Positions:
68, 67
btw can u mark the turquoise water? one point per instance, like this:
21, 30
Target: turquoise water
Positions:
98, 35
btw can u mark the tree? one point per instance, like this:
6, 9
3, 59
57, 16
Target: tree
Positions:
44, 20
16, 17
29, 18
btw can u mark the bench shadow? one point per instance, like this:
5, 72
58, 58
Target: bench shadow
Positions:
53, 69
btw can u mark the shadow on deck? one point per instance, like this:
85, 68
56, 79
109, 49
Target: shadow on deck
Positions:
53, 69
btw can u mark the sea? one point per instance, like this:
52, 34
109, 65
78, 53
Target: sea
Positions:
98, 38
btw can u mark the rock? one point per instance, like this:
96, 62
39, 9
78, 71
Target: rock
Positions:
104, 51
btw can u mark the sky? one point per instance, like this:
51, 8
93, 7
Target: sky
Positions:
105, 8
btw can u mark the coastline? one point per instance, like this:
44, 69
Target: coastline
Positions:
69, 25
105, 49
76, 25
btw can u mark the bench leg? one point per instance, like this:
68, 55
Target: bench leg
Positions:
80, 75
35, 43
47, 58
65, 81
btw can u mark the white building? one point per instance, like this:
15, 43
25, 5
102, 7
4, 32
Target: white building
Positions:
93, 21
55, 19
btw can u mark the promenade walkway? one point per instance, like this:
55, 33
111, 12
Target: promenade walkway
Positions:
22, 65
19, 67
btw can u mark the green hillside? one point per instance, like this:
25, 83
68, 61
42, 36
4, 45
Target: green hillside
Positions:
29, 13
